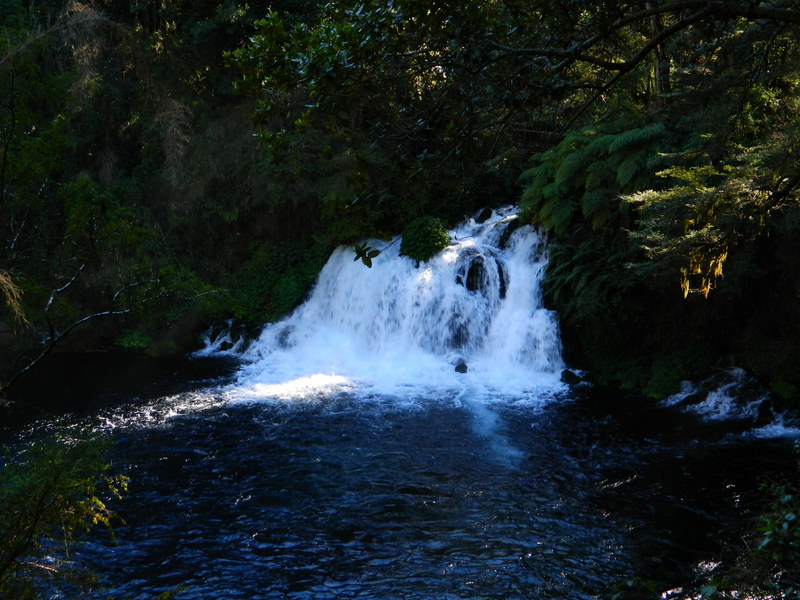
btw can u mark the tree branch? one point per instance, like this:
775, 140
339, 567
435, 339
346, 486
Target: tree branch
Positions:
63, 287
704, 8
731, 10
571, 53
640, 56
55, 337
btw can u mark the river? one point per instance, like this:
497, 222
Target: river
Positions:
342, 454
342, 496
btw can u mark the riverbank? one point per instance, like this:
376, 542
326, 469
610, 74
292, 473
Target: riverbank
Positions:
84, 382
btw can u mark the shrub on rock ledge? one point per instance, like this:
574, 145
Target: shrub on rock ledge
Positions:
424, 237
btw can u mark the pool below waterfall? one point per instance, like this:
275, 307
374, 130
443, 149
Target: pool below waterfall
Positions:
342, 496
405, 434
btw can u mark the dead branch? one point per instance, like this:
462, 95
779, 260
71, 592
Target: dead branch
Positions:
13, 296
54, 337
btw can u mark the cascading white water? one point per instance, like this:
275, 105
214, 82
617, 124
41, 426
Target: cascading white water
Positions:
401, 328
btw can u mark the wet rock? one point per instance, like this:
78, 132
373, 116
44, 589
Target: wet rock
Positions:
483, 215
461, 367
513, 224
285, 337
503, 283
475, 275
692, 399
226, 345
765, 414
570, 377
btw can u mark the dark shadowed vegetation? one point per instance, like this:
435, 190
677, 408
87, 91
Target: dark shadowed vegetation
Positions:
168, 165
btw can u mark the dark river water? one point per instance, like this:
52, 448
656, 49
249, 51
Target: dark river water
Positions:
346, 496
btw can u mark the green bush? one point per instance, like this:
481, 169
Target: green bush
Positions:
274, 280
778, 552
48, 496
424, 237
131, 338
781, 530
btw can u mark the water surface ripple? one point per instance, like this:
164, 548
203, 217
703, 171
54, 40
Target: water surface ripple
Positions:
343, 497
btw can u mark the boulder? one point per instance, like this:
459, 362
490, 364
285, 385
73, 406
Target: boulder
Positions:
570, 377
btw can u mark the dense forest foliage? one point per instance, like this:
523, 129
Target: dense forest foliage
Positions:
165, 165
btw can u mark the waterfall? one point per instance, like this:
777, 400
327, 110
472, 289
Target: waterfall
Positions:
405, 328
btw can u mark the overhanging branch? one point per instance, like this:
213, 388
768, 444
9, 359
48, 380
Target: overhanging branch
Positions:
580, 52
55, 337
643, 52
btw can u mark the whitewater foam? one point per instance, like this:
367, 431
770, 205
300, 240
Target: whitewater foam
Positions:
400, 328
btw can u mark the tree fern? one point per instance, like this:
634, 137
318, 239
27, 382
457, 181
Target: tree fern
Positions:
579, 276
556, 215
636, 137
596, 206
574, 140
599, 175
585, 173
543, 171
536, 179
599, 146
571, 167
629, 169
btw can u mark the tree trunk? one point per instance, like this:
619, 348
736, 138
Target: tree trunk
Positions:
661, 66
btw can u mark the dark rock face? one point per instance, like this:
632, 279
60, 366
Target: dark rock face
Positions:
285, 337
483, 215
570, 377
503, 282
461, 367
475, 275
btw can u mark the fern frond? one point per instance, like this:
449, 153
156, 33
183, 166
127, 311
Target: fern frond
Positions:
531, 197
594, 201
570, 167
553, 191
600, 166
544, 170
636, 137
573, 141
595, 179
600, 146
695, 176
655, 161
597, 206
629, 169
556, 214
